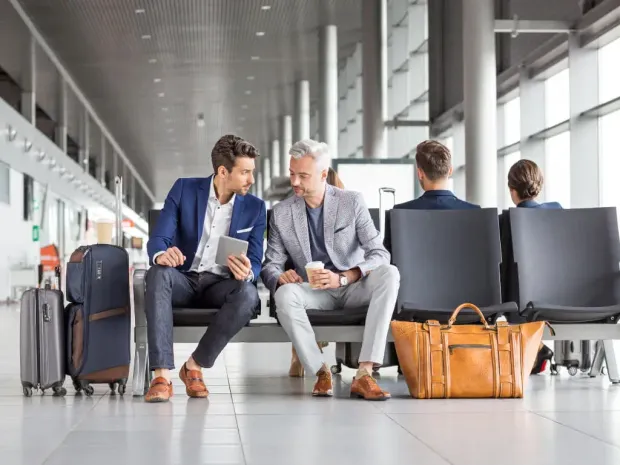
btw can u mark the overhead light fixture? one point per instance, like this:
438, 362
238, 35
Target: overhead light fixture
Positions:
161, 94
152, 61
244, 107
248, 92
255, 58
260, 33
239, 128
164, 109
265, 7
242, 118
146, 36
140, 11
170, 130
250, 78
157, 80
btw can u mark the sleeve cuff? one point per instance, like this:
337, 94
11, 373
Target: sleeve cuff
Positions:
157, 255
363, 268
250, 277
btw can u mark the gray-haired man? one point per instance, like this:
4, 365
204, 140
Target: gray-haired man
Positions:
333, 226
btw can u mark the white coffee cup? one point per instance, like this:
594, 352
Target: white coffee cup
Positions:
311, 268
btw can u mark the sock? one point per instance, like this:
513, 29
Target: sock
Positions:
361, 372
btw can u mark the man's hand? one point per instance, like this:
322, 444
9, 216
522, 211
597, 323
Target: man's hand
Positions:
171, 257
289, 277
239, 266
324, 279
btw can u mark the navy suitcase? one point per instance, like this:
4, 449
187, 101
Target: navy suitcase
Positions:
98, 317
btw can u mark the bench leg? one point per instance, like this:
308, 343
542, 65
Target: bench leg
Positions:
597, 360
612, 353
141, 372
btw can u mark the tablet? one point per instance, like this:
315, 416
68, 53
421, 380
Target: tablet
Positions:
229, 246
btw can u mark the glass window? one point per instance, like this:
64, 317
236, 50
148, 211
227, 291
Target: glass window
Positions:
505, 201
557, 99
557, 169
609, 157
458, 182
512, 121
608, 71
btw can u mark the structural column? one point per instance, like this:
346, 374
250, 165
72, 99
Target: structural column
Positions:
302, 111
480, 102
102, 162
61, 127
85, 141
328, 85
374, 78
29, 82
274, 158
286, 140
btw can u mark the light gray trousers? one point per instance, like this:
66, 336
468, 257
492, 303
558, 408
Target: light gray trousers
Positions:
378, 290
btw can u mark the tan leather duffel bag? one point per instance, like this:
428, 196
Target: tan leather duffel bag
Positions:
466, 361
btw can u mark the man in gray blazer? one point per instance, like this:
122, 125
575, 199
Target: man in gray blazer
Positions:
333, 226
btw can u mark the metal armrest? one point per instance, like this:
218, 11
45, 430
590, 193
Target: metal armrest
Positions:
141, 371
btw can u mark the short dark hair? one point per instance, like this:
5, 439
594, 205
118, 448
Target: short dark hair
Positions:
526, 179
228, 149
434, 159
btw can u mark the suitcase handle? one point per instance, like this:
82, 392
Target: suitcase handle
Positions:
473, 307
46, 313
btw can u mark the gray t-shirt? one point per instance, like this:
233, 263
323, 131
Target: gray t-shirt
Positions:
317, 237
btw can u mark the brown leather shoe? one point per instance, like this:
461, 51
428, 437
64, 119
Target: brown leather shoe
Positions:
323, 386
367, 388
194, 385
297, 369
159, 391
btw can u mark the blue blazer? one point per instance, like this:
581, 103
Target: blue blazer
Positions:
436, 200
181, 222
534, 204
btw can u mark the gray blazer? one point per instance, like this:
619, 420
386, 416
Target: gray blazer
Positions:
351, 239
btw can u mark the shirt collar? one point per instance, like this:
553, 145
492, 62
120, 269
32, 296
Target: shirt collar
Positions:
528, 204
212, 196
438, 193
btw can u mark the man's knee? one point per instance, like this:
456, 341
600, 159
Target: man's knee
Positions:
387, 274
247, 297
159, 275
287, 298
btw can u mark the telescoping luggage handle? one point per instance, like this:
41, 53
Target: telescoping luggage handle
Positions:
118, 186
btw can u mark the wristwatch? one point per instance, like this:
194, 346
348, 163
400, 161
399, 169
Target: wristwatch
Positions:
343, 280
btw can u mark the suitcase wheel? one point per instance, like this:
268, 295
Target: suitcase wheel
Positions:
553, 369
112, 388
122, 388
59, 391
572, 370
87, 388
335, 369
27, 391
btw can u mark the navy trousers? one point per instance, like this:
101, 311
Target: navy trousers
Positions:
168, 287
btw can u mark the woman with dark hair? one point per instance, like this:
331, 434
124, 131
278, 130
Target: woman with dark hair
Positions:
297, 370
525, 182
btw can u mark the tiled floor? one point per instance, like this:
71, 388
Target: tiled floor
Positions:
257, 415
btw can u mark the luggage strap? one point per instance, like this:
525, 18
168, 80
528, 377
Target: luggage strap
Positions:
107, 314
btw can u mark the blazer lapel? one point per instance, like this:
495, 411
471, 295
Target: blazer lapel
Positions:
201, 204
237, 213
330, 209
300, 222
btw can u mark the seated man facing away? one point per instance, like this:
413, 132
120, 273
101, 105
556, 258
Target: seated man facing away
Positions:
525, 182
434, 167
322, 223
183, 247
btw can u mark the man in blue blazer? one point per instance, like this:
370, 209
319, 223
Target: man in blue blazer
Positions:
182, 249
434, 166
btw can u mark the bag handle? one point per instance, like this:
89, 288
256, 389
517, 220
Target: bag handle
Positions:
473, 307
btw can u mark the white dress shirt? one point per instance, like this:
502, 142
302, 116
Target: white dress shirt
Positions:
217, 223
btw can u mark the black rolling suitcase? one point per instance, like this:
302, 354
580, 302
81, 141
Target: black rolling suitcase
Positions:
347, 353
42, 331
98, 317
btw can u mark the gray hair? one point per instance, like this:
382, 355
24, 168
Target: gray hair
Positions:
311, 148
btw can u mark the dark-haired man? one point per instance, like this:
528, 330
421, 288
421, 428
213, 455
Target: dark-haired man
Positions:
182, 249
434, 167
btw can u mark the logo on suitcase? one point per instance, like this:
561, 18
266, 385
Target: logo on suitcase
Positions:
99, 265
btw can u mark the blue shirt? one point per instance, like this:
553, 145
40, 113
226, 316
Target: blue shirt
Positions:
317, 237
436, 200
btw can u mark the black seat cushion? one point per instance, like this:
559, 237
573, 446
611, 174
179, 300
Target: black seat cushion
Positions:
339, 317
412, 312
193, 316
558, 314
